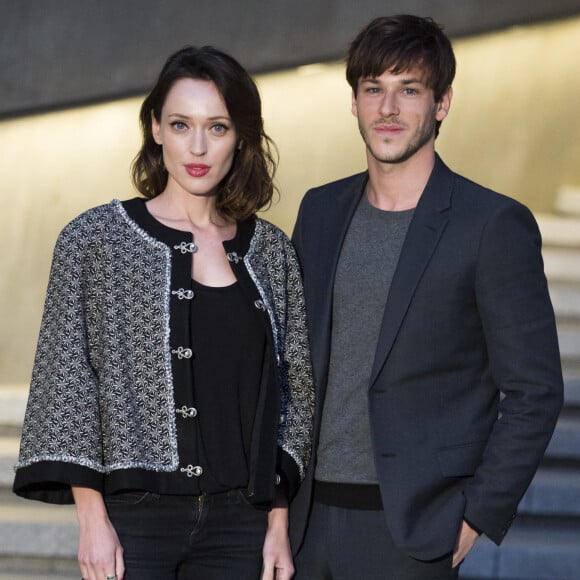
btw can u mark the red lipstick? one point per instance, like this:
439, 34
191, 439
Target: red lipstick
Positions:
197, 169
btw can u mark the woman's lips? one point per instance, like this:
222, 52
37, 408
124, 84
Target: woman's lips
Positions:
197, 169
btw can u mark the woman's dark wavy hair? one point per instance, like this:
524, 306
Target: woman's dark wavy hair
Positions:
249, 185
400, 43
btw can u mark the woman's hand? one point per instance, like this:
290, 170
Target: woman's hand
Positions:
276, 554
100, 553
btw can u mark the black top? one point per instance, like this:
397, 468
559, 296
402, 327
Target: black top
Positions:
228, 347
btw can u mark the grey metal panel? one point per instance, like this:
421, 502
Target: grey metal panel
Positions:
55, 53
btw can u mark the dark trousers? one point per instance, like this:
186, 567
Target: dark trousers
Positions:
351, 544
208, 537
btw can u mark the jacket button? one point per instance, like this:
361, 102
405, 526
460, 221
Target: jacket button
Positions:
182, 352
192, 470
183, 294
187, 412
185, 247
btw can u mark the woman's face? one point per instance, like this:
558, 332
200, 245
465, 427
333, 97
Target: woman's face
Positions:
197, 136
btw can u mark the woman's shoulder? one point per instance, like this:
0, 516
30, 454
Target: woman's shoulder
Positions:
101, 214
271, 242
272, 231
97, 218
93, 225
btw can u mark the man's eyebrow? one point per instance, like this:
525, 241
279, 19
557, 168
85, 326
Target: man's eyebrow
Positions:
412, 80
405, 81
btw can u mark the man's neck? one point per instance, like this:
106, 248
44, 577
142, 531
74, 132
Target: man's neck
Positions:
399, 186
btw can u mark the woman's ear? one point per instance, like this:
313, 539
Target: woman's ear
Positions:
155, 129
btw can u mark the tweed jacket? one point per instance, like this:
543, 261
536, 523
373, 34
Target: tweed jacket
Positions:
102, 392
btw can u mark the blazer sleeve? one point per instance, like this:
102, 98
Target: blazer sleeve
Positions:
61, 441
521, 340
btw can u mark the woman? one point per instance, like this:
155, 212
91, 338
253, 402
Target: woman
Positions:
171, 396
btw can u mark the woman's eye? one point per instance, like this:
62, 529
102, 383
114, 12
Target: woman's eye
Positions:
179, 125
219, 129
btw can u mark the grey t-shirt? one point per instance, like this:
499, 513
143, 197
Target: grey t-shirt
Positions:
365, 269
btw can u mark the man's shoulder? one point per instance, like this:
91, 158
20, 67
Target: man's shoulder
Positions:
345, 185
477, 195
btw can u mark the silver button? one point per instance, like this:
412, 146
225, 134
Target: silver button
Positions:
183, 294
187, 412
233, 257
185, 247
259, 305
192, 470
182, 352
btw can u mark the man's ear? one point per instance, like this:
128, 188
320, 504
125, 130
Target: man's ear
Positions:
444, 105
353, 106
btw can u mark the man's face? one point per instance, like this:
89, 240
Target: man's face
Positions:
397, 115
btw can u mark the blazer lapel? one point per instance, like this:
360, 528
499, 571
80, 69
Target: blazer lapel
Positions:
425, 230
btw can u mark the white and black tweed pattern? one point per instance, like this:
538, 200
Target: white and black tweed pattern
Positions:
102, 388
103, 360
271, 258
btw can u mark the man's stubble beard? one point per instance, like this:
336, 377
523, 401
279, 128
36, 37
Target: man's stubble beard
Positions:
423, 135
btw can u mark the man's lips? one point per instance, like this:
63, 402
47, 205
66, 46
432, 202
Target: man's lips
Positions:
388, 128
197, 169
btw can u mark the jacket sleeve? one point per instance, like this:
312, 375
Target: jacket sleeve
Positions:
297, 389
520, 333
61, 441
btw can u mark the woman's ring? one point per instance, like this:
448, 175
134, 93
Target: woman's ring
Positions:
111, 577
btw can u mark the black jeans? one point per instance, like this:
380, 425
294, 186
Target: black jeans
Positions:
208, 537
348, 544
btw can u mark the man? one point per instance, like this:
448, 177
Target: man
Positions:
427, 301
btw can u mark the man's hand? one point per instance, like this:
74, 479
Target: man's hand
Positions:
465, 540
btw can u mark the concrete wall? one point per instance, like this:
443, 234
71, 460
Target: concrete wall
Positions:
55, 53
514, 126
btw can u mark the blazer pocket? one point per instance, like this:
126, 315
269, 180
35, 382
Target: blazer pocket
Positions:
460, 460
